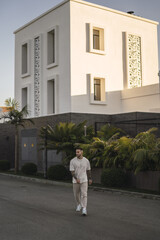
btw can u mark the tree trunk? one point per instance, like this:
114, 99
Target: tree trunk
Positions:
45, 155
16, 152
46, 163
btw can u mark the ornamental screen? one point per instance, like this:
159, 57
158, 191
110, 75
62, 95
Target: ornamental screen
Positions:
37, 76
134, 61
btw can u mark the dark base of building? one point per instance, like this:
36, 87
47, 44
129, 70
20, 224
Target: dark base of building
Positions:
132, 123
29, 139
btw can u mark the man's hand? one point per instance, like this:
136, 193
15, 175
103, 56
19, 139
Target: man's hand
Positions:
73, 175
90, 181
78, 180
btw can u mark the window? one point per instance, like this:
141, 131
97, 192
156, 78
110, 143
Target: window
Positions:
97, 40
25, 59
52, 48
24, 97
97, 90
51, 96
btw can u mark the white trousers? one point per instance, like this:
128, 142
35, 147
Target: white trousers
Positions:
80, 193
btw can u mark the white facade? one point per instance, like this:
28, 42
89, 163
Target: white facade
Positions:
82, 57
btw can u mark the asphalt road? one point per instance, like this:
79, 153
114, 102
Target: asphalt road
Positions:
34, 211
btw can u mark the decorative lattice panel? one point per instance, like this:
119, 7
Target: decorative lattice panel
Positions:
134, 61
37, 76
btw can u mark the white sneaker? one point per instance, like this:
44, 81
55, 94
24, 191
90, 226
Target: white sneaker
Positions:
78, 209
84, 211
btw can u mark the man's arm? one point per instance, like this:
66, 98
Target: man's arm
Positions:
73, 175
89, 176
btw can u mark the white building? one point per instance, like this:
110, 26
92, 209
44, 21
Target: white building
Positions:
86, 58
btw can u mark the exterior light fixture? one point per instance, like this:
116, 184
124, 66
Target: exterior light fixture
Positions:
85, 130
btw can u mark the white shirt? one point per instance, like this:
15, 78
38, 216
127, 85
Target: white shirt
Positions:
80, 167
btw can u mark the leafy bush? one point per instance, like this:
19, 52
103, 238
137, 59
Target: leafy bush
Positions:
113, 177
29, 169
4, 165
139, 153
94, 152
57, 172
64, 137
159, 185
68, 174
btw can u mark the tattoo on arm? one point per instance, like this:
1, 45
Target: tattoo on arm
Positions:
73, 175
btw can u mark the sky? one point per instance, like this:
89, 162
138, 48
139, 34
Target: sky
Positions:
16, 13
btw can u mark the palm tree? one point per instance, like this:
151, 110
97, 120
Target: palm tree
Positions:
94, 151
118, 152
44, 132
101, 146
17, 118
64, 137
146, 151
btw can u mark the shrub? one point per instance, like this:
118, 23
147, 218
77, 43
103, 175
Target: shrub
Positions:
29, 169
68, 174
159, 185
4, 165
57, 172
113, 177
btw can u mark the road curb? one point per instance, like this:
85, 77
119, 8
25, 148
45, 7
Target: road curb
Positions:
100, 189
123, 192
37, 180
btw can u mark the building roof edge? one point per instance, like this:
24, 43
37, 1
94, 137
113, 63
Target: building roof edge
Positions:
115, 11
89, 4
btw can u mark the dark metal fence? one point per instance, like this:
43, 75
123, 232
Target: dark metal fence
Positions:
133, 126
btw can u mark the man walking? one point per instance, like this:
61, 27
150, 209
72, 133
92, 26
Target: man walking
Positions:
80, 168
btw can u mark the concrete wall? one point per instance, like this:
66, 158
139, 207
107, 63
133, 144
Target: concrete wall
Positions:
148, 180
146, 98
58, 18
32, 133
77, 64
7, 141
136, 122
111, 64
132, 123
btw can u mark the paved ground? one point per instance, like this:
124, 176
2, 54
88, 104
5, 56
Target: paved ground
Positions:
34, 211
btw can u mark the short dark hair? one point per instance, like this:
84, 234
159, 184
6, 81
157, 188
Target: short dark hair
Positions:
79, 148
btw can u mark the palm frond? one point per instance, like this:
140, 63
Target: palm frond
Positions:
12, 103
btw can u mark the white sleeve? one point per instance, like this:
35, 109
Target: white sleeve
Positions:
71, 168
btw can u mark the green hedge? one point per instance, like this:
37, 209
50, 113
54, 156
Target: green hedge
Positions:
29, 169
4, 165
57, 172
114, 177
